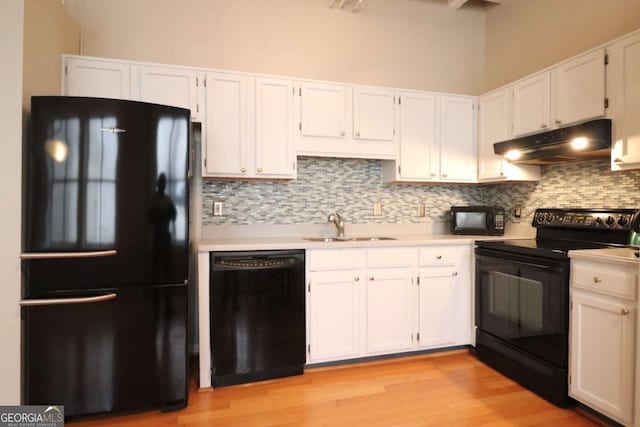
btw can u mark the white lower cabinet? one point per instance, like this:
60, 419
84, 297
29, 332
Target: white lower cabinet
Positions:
334, 315
444, 297
367, 302
602, 338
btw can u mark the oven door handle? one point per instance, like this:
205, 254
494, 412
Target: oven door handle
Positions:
554, 268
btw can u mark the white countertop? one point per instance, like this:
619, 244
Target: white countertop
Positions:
626, 255
294, 242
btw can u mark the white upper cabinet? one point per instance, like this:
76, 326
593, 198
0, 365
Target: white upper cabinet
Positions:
530, 104
373, 114
275, 150
493, 126
249, 127
457, 139
418, 136
345, 121
437, 139
178, 87
226, 135
578, 88
323, 110
623, 87
96, 78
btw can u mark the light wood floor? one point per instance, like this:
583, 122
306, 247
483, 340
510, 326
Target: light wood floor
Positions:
446, 389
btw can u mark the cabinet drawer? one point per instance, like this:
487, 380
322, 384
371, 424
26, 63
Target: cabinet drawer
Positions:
616, 280
439, 256
340, 259
391, 258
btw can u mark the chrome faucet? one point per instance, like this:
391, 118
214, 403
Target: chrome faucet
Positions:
338, 221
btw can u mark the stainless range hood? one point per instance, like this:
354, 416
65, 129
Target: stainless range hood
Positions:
584, 141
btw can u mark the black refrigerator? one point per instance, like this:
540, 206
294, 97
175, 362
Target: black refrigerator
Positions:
105, 255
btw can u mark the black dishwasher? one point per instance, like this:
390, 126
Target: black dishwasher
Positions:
257, 315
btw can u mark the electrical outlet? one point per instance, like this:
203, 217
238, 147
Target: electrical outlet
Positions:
517, 212
422, 210
217, 208
377, 209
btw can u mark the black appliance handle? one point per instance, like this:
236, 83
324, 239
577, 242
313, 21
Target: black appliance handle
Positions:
515, 260
266, 263
62, 301
55, 255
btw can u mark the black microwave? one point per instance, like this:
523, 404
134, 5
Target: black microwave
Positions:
480, 220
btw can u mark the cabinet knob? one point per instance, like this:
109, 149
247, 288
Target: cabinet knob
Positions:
357, 279
439, 257
455, 273
259, 170
444, 175
596, 279
243, 170
433, 174
371, 278
543, 125
501, 173
357, 133
624, 311
558, 121
342, 133
617, 160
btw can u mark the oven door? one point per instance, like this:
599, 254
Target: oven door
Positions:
524, 301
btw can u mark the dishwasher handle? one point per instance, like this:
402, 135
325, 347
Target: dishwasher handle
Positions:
266, 263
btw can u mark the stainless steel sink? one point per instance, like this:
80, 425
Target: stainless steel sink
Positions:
348, 239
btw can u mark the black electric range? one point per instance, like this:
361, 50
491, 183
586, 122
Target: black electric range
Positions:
522, 294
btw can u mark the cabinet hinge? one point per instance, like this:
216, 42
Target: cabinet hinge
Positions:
606, 103
294, 91
66, 70
300, 125
399, 100
394, 99
204, 82
300, 91
309, 348
394, 132
197, 108
569, 379
309, 287
418, 280
418, 336
197, 82
399, 168
606, 59
205, 163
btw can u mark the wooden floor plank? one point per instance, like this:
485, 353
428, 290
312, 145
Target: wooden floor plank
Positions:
446, 389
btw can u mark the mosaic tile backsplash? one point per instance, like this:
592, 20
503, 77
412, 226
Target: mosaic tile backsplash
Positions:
352, 186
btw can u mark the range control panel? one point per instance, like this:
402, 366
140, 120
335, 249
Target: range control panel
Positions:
614, 219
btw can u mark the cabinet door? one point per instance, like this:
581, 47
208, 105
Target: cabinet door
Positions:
323, 110
388, 299
578, 89
458, 158
96, 78
169, 86
623, 82
373, 114
437, 308
530, 106
493, 127
334, 313
226, 125
275, 151
418, 137
602, 355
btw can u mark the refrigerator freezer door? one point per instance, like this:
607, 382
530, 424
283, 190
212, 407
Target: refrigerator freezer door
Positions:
126, 353
105, 175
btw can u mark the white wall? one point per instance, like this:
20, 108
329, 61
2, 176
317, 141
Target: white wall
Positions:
419, 44
11, 28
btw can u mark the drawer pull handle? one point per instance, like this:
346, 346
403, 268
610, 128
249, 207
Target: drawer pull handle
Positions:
455, 273
624, 311
597, 280
357, 279
439, 257
372, 278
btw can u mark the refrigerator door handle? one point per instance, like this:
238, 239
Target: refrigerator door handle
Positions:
51, 255
60, 301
